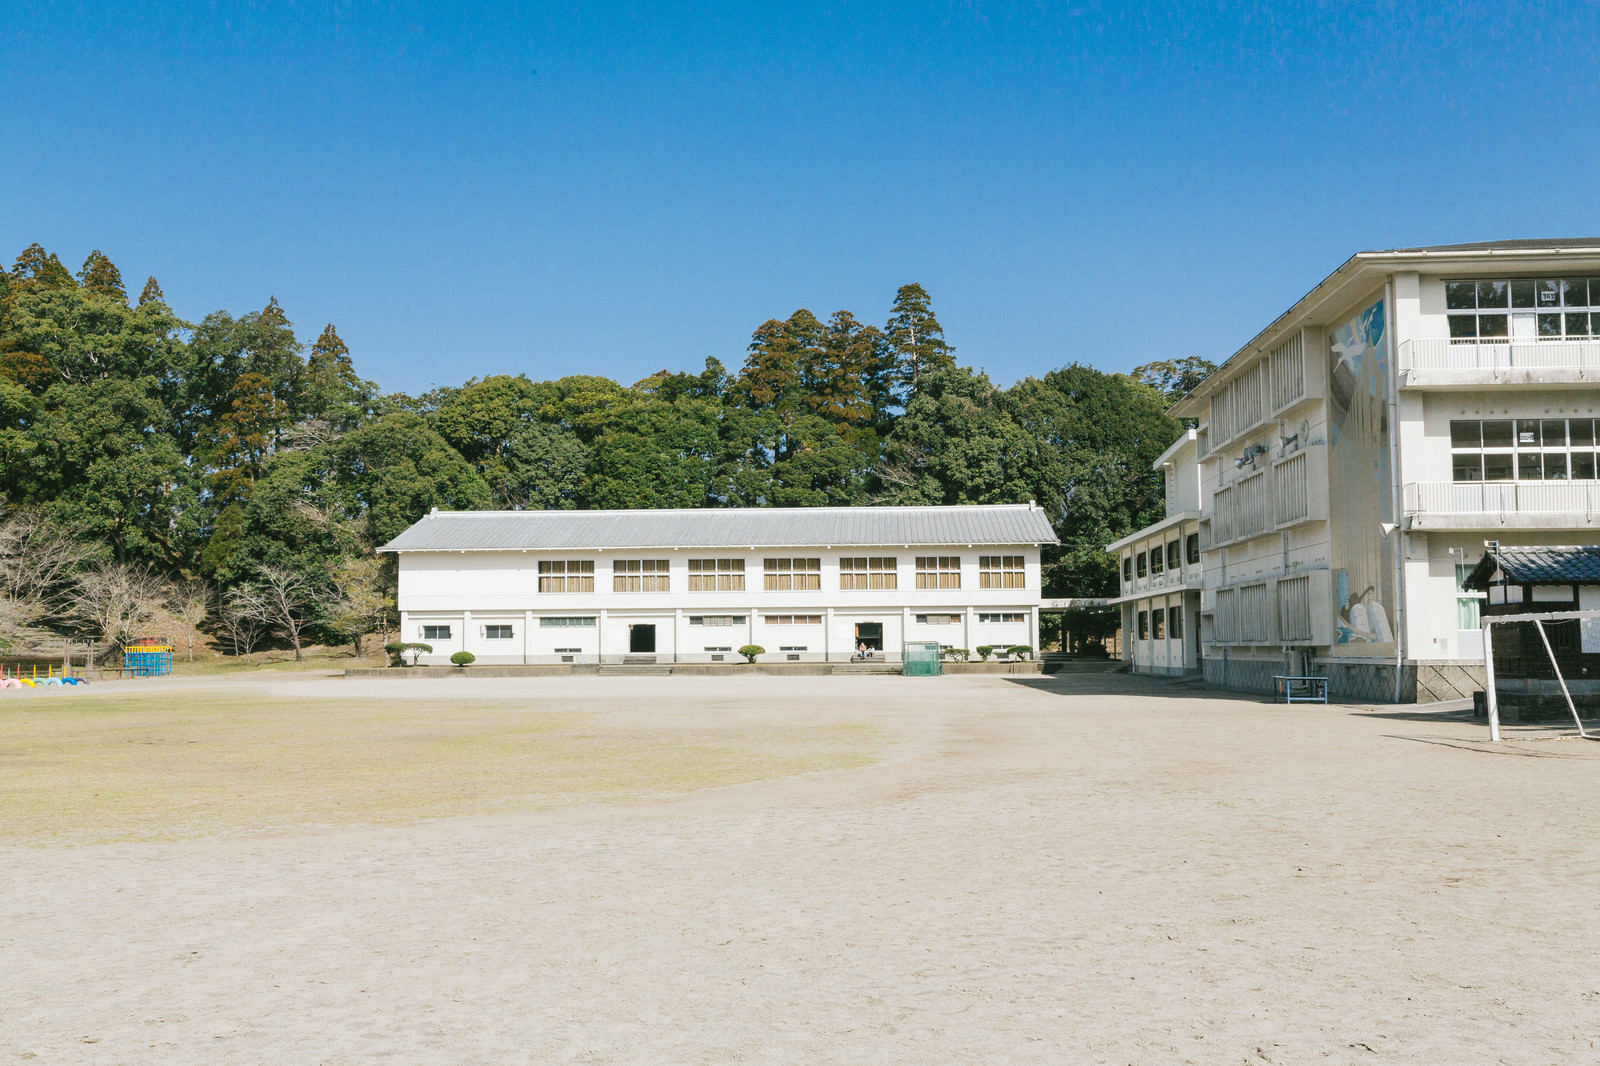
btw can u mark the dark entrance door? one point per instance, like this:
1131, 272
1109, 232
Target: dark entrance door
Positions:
870, 634
642, 638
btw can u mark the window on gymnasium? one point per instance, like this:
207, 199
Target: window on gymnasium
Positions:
566, 575
497, 632
716, 575
639, 575
799, 575
1001, 572
435, 632
868, 572
938, 571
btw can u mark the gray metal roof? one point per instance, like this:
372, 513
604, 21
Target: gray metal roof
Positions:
745, 527
1576, 565
1528, 244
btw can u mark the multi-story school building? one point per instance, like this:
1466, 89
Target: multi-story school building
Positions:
1357, 454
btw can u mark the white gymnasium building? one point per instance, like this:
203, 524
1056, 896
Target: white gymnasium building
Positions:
1357, 454
807, 584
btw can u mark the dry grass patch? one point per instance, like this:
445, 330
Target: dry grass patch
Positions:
93, 768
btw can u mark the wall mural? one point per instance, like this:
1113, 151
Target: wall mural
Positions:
1360, 480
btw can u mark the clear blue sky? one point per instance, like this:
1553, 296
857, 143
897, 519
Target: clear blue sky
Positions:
613, 189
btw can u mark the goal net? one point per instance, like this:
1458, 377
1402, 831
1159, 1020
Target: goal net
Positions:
1542, 674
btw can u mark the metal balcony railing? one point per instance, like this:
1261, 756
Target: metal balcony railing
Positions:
1502, 353
1502, 497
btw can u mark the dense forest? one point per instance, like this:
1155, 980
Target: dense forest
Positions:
222, 472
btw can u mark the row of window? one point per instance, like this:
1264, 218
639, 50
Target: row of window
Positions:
508, 632
1524, 449
1551, 302
1163, 623
782, 574
1162, 557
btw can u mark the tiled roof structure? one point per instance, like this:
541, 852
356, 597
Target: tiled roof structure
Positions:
1577, 565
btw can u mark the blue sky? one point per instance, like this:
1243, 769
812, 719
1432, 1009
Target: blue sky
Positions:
611, 188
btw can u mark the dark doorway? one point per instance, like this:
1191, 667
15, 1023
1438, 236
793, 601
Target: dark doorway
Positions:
642, 638
870, 634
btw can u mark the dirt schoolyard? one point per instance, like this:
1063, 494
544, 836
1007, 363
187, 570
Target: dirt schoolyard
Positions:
1089, 869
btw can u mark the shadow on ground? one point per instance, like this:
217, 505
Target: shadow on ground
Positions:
1112, 682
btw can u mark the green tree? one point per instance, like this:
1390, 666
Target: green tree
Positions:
1098, 435
100, 279
654, 454
1174, 378
956, 443
330, 391
483, 419
545, 468
916, 341
393, 470
98, 457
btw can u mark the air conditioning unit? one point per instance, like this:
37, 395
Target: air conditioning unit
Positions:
567, 658
793, 658
717, 658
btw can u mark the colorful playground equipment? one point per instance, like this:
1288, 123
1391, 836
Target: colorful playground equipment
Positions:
147, 657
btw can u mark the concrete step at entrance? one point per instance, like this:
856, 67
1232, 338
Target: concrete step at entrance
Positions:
867, 668
635, 670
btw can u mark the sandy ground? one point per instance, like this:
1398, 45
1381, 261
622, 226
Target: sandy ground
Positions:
1088, 870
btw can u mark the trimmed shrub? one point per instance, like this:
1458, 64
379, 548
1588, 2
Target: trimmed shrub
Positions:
416, 651
463, 658
1019, 651
395, 649
984, 651
958, 655
750, 651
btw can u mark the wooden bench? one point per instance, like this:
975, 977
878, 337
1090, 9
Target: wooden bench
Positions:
1293, 689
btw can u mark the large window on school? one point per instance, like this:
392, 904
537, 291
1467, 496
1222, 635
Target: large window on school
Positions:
566, 575
716, 575
869, 572
1524, 308
938, 571
1523, 449
1001, 572
639, 575
799, 575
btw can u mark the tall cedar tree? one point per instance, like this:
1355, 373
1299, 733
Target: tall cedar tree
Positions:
916, 340
100, 278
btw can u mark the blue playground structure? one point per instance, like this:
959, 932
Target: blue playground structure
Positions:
146, 658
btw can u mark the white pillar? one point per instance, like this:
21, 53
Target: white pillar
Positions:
527, 634
600, 636
1033, 625
827, 632
466, 630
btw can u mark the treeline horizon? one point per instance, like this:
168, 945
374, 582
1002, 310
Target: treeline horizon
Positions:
224, 451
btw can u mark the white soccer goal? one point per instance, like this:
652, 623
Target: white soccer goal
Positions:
1535, 669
